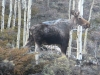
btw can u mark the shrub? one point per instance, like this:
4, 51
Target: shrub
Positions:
8, 36
57, 67
22, 61
97, 20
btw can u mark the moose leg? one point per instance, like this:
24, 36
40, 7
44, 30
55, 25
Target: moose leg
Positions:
64, 47
37, 49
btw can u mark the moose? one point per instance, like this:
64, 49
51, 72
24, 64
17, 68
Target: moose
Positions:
55, 34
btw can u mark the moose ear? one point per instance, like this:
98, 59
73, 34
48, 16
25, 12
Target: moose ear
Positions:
72, 12
75, 13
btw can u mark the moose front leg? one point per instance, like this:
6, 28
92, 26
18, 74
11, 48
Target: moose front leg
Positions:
37, 49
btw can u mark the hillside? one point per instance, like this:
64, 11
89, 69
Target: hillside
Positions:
52, 62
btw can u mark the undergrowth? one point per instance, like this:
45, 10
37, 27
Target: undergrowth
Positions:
18, 62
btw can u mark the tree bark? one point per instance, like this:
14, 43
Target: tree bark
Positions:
19, 24
14, 16
79, 43
24, 30
80, 7
70, 44
10, 14
28, 18
91, 10
2, 17
86, 31
69, 8
73, 5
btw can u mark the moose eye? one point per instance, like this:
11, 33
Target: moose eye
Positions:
79, 18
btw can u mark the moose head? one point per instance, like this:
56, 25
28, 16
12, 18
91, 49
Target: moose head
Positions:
78, 19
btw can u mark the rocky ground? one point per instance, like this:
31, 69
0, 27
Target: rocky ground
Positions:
59, 64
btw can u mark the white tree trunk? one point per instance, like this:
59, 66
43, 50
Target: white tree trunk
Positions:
10, 14
19, 24
86, 31
73, 5
24, 30
79, 43
85, 41
70, 44
28, 18
91, 10
80, 6
15, 10
2, 17
69, 8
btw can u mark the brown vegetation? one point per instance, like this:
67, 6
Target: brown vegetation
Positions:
19, 58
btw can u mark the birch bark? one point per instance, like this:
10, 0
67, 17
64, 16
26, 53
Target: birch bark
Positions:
19, 24
28, 18
24, 30
80, 6
86, 31
69, 8
10, 14
14, 16
91, 10
2, 17
79, 43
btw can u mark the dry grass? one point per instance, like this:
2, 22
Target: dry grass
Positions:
22, 61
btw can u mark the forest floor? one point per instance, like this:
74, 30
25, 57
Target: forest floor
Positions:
59, 64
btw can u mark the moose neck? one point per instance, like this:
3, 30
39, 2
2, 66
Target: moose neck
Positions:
72, 21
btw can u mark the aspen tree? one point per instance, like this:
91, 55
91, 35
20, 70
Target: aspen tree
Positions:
85, 38
79, 43
79, 32
69, 8
2, 17
73, 7
15, 10
80, 6
91, 10
28, 18
19, 24
10, 14
24, 29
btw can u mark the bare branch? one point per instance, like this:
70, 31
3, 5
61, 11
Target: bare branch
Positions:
91, 10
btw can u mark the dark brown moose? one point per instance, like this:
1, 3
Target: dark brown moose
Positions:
55, 34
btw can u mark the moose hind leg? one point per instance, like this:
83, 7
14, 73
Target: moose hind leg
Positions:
64, 49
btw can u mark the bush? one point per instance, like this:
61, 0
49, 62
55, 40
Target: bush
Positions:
19, 59
97, 20
8, 36
57, 67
